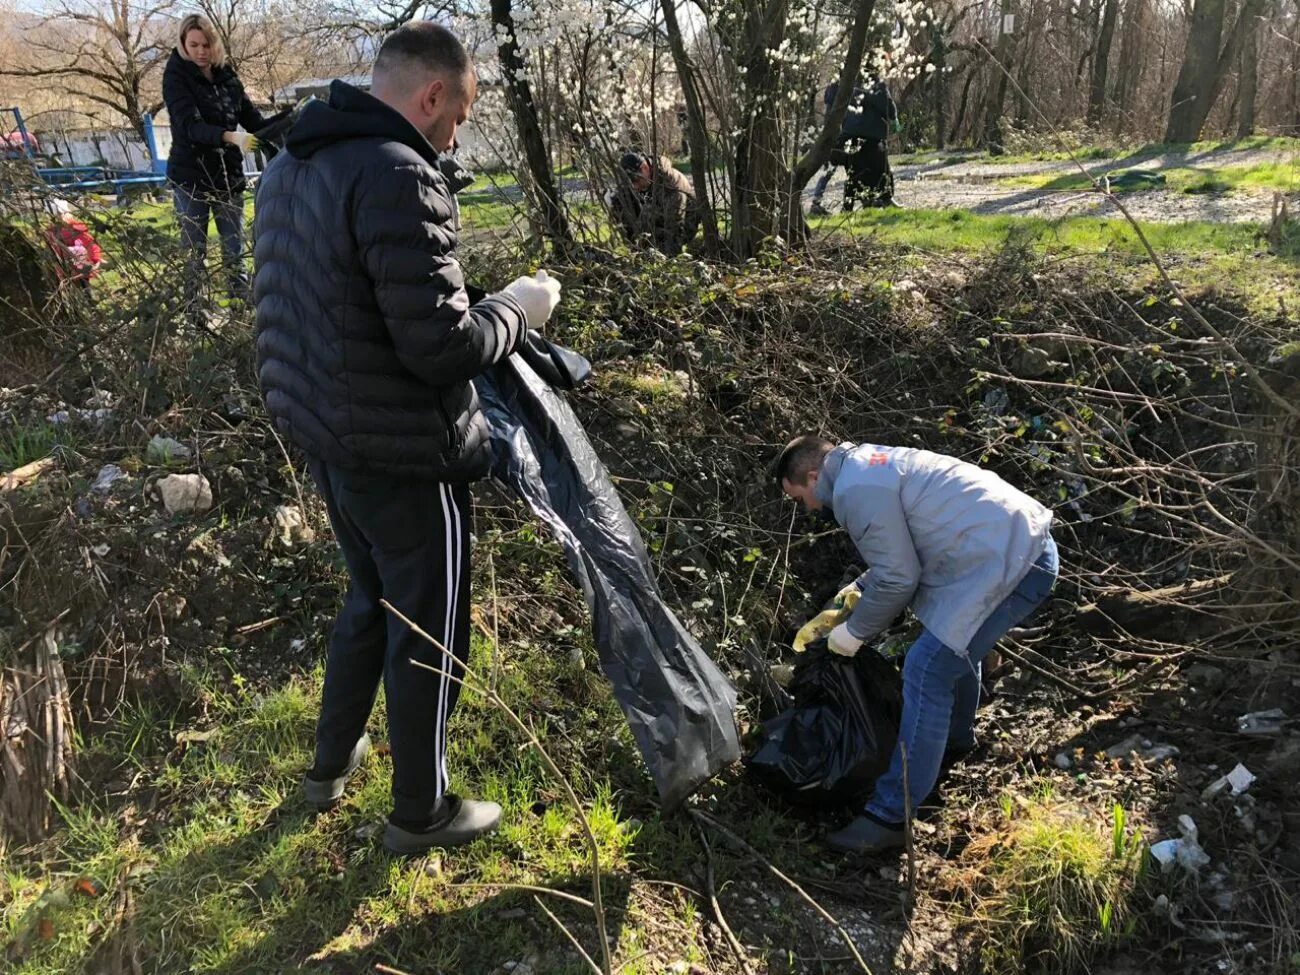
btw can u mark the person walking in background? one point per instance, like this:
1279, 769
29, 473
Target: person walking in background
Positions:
836, 161
367, 347
206, 104
871, 116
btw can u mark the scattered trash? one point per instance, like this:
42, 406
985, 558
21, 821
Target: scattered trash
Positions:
1240, 778
1145, 749
164, 450
1185, 851
1062, 760
108, 475
101, 415
184, 494
101, 550
997, 401
297, 644
291, 527
1262, 722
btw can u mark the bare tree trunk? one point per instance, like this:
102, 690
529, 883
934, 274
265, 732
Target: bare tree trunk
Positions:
697, 136
938, 57
766, 192
554, 225
1101, 62
1205, 67
1248, 84
1130, 57
998, 88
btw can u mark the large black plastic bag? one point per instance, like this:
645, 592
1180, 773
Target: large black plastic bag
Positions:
678, 704
837, 739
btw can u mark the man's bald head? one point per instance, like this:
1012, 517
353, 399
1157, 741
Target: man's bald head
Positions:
424, 72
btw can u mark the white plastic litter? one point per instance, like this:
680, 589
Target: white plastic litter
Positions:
1184, 851
1240, 778
1262, 722
108, 475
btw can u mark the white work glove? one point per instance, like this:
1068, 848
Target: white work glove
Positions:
842, 642
245, 141
537, 296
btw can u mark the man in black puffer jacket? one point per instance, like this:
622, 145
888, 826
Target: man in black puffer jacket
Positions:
366, 348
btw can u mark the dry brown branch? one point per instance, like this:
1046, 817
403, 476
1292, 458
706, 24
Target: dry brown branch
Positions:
808, 898
733, 942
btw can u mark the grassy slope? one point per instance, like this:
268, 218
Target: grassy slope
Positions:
230, 873
1199, 254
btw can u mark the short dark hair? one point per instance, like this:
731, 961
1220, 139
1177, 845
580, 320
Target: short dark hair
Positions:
632, 162
420, 45
802, 455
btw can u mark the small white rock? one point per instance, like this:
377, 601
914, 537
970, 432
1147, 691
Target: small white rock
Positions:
184, 494
1062, 760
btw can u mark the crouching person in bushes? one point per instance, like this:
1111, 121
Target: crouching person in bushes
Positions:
967, 552
77, 254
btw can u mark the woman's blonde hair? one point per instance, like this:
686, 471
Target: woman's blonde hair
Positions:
199, 22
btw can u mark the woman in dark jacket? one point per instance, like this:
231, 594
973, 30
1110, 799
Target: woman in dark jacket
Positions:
206, 103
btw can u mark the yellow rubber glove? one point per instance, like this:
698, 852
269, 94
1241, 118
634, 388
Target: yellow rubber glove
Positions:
825, 621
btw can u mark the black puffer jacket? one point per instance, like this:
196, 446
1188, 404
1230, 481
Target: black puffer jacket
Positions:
366, 342
200, 111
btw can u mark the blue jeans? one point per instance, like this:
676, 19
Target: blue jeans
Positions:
194, 209
823, 181
941, 691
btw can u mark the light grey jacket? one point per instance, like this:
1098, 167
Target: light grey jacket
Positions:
946, 537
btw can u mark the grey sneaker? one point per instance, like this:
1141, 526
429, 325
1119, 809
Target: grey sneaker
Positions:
464, 821
865, 835
325, 793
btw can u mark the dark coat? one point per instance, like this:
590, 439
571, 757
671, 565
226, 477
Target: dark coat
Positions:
366, 339
871, 111
666, 212
200, 111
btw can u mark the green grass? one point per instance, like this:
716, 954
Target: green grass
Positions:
1201, 254
215, 865
1052, 886
21, 444
1271, 175
959, 230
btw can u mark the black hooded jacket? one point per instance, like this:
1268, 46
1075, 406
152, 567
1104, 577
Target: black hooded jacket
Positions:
366, 341
200, 111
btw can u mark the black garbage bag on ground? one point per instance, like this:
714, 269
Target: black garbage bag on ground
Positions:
678, 704
837, 739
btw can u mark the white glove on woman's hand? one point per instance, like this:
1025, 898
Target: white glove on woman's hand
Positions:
537, 296
245, 141
842, 642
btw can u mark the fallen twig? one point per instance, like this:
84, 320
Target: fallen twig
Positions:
812, 902
569, 934
736, 948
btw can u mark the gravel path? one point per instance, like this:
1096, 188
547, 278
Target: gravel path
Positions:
972, 186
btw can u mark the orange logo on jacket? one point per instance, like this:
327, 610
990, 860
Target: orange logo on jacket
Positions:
878, 460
